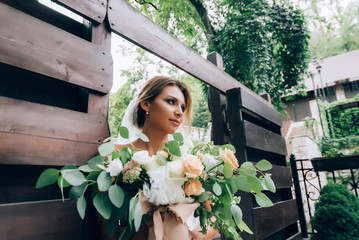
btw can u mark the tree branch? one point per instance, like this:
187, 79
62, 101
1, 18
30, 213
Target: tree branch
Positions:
202, 11
143, 2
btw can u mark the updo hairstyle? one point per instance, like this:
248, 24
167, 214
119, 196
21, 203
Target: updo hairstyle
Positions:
152, 89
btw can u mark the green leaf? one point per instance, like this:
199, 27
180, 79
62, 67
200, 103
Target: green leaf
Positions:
269, 184
178, 137
85, 168
246, 165
227, 171
117, 195
264, 165
226, 197
255, 184
263, 200
132, 209
104, 181
103, 205
77, 191
242, 183
92, 163
93, 175
73, 176
203, 197
142, 136
109, 138
106, 149
138, 216
64, 182
124, 132
81, 206
237, 214
47, 177
229, 147
243, 227
162, 159
217, 189
62, 188
174, 148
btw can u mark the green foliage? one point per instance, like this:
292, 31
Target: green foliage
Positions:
336, 214
333, 153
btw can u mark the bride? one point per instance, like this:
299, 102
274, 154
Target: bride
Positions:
163, 104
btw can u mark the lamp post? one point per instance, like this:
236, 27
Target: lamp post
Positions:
316, 99
318, 66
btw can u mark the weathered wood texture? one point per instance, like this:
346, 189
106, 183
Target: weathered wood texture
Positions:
45, 49
255, 130
94, 10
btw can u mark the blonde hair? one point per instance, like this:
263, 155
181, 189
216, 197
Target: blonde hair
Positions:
152, 89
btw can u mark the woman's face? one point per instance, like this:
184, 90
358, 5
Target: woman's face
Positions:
166, 110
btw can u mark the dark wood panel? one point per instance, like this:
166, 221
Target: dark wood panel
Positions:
27, 46
91, 9
134, 26
45, 220
260, 138
281, 176
21, 117
34, 150
260, 107
338, 163
272, 219
297, 236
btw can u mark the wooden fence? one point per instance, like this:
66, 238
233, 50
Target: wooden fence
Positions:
56, 77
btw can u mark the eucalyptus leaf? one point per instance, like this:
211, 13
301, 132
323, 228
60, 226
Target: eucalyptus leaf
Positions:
81, 206
106, 149
109, 138
73, 176
47, 177
227, 171
69, 166
62, 188
64, 183
203, 197
229, 147
264, 165
226, 197
178, 137
162, 159
217, 189
124, 132
142, 136
242, 183
92, 163
103, 205
93, 175
85, 168
263, 200
174, 148
246, 165
104, 181
117, 195
77, 191
255, 184
138, 216
269, 184
132, 209
243, 227
237, 214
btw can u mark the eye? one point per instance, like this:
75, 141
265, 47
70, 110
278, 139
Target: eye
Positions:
183, 108
172, 102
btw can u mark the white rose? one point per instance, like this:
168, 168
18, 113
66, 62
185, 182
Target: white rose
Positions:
175, 169
115, 167
209, 161
152, 163
141, 157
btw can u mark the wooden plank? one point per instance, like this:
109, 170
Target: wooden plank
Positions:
273, 219
260, 138
45, 220
259, 108
22, 117
35, 150
26, 46
91, 9
338, 163
281, 176
297, 236
137, 28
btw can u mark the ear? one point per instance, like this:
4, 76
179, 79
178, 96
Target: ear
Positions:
145, 105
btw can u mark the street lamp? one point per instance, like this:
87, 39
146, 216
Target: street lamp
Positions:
318, 66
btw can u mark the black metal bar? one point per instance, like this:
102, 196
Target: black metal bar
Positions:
298, 195
355, 187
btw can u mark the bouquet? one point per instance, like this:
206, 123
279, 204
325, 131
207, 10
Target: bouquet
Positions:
186, 183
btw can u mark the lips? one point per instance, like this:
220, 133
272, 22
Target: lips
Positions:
175, 122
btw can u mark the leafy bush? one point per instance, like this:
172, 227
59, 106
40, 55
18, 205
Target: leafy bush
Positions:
337, 214
333, 152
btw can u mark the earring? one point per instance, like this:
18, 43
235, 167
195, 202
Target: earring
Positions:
146, 113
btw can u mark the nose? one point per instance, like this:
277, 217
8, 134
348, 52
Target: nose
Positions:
179, 112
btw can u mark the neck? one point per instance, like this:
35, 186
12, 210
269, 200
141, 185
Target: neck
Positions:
157, 140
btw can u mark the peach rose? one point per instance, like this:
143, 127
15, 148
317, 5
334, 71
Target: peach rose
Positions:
227, 156
208, 205
199, 155
193, 187
192, 166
